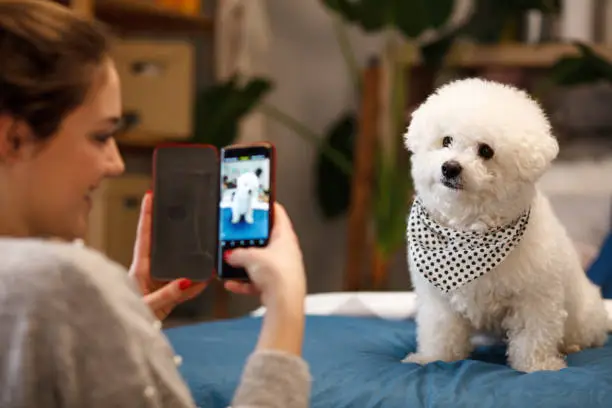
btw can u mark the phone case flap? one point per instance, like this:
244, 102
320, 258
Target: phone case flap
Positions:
184, 234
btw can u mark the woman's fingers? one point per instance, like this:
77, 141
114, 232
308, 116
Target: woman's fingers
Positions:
241, 288
142, 243
166, 298
282, 222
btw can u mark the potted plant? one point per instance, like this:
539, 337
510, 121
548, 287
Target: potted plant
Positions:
425, 26
578, 93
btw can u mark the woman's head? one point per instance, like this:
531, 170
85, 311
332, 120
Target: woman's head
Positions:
60, 104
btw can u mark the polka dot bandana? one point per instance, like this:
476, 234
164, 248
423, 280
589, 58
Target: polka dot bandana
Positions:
449, 258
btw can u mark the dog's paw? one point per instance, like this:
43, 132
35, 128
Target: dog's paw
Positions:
572, 348
549, 364
418, 359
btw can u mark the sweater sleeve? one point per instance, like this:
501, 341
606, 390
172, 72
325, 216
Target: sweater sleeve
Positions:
74, 333
273, 379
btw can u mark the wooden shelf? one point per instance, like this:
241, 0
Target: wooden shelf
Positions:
139, 15
509, 55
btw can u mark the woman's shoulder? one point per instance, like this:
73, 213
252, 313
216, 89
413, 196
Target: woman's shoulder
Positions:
47, 270
68, 312
32, 255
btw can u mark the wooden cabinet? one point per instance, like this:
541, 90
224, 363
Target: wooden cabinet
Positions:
163, 111
114, 217
158, 83
143, 15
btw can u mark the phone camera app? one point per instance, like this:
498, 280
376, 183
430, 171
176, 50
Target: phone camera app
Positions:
245, 200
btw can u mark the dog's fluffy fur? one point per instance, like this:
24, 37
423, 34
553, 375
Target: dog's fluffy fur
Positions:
539, 298
247, 188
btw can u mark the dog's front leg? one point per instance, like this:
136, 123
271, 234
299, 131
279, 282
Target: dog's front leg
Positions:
535, 331
235, 215
249, 216
442, 334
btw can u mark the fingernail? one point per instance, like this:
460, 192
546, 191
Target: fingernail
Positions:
149, 192
184, 284
227, 254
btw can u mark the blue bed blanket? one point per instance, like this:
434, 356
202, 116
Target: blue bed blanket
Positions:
600, 271
355, 362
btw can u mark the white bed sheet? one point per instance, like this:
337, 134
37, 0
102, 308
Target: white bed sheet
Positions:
386, 305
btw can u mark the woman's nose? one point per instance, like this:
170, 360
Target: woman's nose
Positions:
115, 165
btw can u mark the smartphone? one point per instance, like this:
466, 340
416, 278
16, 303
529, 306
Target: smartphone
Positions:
246, 202
184, 222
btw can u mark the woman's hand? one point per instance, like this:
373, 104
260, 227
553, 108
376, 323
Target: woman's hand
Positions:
277, 273
277, 270
162, 297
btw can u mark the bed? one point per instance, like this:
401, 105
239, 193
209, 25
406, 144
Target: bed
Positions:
354, 343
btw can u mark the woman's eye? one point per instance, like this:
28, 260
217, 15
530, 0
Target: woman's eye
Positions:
446, 141
103, 137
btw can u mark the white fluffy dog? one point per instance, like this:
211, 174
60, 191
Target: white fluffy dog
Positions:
486, 252
247, 189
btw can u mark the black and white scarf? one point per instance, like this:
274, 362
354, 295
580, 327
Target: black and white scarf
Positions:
450, 258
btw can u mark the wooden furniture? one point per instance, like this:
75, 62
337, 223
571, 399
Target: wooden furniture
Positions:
143, 17
469, 55
157, 86
360, 209
114, 216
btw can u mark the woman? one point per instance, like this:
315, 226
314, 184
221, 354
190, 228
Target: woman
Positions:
74, 331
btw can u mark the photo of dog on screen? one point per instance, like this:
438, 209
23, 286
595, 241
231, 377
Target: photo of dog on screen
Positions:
245, 195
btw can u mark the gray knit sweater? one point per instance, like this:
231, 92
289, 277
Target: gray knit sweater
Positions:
74, 333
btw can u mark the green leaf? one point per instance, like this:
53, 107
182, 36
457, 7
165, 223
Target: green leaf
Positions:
433, 53
220, 107
593, 59
394, 189
570, 71
370, 15
490, 17
439, 11
487, 21
587, 67
334, 185
411, 17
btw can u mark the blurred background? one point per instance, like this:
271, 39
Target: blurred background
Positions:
331, 83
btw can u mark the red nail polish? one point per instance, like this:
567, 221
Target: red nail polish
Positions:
149, 192
226, 255
184, 284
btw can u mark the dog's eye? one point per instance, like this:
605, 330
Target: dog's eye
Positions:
485, 151
446, 141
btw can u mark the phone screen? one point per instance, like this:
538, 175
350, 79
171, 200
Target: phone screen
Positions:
245, 201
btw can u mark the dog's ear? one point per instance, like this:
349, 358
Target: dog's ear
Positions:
408, 140
413, 137
410, 136
538, 158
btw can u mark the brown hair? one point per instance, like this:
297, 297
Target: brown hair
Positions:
48, 55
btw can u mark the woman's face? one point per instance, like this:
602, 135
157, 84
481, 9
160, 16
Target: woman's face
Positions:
52, 182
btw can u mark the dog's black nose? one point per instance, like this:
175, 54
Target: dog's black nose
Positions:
451, 169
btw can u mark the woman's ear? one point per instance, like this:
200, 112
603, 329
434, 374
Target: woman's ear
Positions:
14, 135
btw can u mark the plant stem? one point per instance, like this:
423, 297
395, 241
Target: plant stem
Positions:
380, 269
309, 135
347, 52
